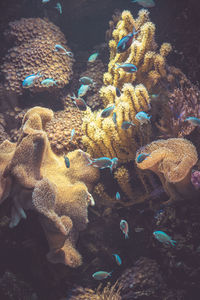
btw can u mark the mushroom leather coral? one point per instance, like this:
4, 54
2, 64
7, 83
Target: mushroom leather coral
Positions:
41, 181
172, 160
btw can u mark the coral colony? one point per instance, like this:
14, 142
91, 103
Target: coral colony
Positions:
107, 183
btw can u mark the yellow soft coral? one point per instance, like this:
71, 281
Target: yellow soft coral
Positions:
41, 181
172, 160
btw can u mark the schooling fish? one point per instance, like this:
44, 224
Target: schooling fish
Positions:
100, 275
117, 259
30, 80
117, 196
164, 238
79, 102
87, 80
67, 163
124, 228
127, 125
107, 111
72, 134
143, 117
129, 68
83, 90
118, 93
194, 121
141, 157
103, 162
126, 41
93, 57
145, 3
45, 1
59, 7
59, 48
49, 82
114, 117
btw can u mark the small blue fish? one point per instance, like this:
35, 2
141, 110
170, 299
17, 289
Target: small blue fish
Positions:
129, 68
72, 134
126, 41
59, 48
107, 111
126, 125
124, 228
117, 196
141, 157
59, 7
103, 162
67, 163
87, 80
100, 275
93, 57
145, 3
45, 1
118, 93
30, 80
83, 90
154, 96
114, 117
49, 82
117, 259
194, 121
164, 238
143, 117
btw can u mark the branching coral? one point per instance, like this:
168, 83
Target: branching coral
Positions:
184, 102
32, 52
105, 138
172, 160
41, 181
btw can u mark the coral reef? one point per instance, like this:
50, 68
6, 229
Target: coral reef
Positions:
59, 130
183, 102
109, 292
38, 179
33, 44
172, 160
105, 138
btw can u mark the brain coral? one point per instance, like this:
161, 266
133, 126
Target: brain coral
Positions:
34, 42
37, 179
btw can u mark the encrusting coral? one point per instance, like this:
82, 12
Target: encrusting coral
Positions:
172, 160
34, 41
37, 179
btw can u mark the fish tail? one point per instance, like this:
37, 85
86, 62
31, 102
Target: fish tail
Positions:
173, 243
126, 235
90, 161
118, 66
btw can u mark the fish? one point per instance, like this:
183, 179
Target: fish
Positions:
139, 229
58, 7
127, 125
30, 80
118, 93
80, 104
143, 117
117, 196
129, 68
93, 57
49, 82
67, 163
103, 162
87, 80
45, 1
163, 237
193, 120
107, 111
83, 90
154, 96
59, 48
141, 157
145, 3
100, 275
114, 118
117, 259
124, 228
72, 134
126, 41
